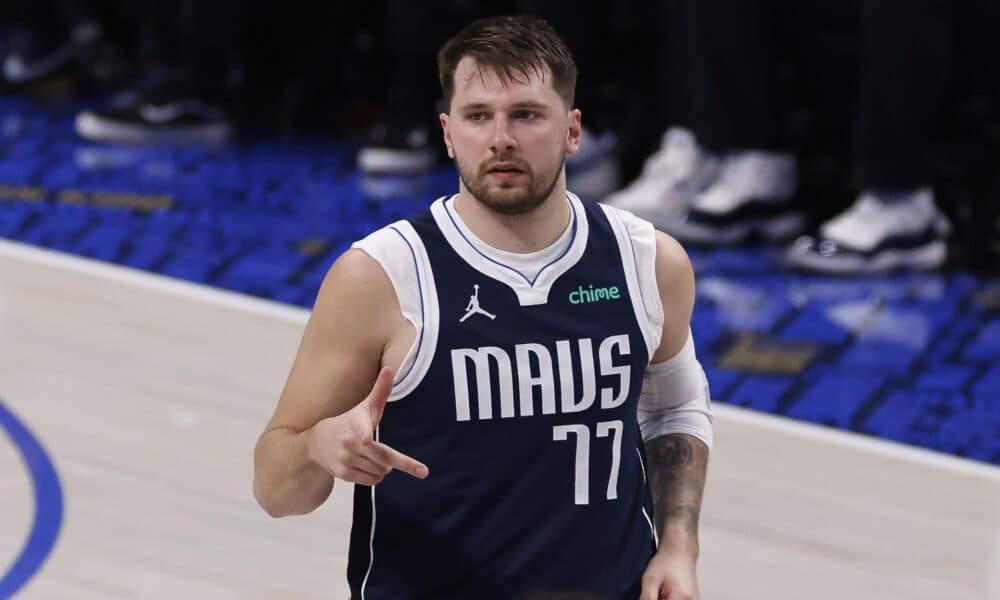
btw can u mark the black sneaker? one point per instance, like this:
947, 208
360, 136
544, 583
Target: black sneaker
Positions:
155, 118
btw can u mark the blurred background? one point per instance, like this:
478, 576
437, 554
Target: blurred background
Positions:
832, 167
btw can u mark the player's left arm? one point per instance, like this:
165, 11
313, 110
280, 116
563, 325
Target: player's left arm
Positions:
676, 420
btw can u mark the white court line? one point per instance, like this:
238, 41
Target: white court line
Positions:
154, 281
299, 316
859, 441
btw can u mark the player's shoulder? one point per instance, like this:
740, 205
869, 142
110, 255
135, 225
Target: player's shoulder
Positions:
361, 271
387, 269
667, 249
631, 224
388, 243
663, 263
399, 251
354, 278
674, 279
672, 260
355, 306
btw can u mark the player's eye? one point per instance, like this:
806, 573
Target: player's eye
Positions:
477, 116
525, 115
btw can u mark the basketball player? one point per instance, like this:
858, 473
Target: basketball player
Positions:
507, 378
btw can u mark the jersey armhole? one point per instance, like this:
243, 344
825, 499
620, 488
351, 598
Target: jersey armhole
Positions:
637, 244
398, 249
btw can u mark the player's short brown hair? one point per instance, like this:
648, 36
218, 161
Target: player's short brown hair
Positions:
511, 47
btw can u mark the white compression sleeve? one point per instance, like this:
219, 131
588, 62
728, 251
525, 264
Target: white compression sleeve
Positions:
675, 398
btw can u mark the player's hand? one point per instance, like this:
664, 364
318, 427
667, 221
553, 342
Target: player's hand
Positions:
670, 576
345, 446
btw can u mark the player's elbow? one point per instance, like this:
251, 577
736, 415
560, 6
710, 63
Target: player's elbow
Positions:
271, 510
694, 421
277, 506
267, 490
675, 398
267, 501
284, 484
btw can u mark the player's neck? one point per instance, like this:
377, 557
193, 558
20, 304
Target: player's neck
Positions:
524, 233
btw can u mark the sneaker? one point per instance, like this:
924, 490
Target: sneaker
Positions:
397, 151
31, 57
751, 198
670, 178
592, 173
875, 235
154, 117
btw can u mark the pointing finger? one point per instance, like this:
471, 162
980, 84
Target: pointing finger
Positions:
397, 460
375, 468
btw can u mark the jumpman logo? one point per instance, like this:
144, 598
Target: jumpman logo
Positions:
473, 306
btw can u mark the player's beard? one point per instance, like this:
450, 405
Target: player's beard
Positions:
516, 199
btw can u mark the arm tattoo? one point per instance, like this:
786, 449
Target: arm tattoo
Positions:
677, 465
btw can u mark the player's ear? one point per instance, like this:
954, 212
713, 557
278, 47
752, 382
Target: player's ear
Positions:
447, 134
574, 132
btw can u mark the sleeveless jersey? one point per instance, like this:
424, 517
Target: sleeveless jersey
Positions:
520, 396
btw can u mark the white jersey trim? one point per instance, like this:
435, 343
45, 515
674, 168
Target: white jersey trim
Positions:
530, 292
400, 252
652, 529
371, 536
637, 243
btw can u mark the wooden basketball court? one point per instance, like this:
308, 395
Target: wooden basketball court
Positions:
147, 395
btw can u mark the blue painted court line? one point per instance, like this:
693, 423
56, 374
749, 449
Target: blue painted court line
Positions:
48, 505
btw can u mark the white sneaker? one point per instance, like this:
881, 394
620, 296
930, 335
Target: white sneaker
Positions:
393, 151
875, 235
670, 178
751, 197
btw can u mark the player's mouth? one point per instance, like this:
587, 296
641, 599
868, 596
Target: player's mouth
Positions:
505, 171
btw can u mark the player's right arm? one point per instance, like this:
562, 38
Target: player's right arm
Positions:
323, 426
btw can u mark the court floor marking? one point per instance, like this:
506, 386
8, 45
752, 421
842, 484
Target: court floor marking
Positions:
48, 497
299, 316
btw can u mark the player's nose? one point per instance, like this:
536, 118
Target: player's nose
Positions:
503, 138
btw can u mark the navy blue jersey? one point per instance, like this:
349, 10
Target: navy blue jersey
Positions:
526, 417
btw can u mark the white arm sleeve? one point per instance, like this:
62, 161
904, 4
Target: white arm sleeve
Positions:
675, 398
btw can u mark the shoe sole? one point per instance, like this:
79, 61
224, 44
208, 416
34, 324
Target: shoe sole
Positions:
93, 128
773, 229
925, 258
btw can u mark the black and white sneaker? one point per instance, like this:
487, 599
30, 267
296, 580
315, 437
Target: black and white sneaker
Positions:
669, 180
875, 235
751, 198
137, 118
394, 150
32, 57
